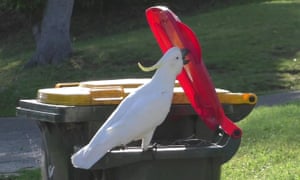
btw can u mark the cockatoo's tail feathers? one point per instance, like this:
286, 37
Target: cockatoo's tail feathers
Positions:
78, 159
86, 157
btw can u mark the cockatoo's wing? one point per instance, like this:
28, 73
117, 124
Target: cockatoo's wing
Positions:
138, 114
135, 118
121, 109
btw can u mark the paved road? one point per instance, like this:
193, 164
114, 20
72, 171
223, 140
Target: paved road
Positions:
278, 98
20, 138
20, 141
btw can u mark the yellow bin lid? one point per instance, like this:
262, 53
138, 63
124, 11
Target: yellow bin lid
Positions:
112, 92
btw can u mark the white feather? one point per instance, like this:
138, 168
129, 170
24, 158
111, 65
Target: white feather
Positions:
137, 116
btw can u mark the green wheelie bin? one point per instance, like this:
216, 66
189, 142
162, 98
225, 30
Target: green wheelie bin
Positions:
183, 147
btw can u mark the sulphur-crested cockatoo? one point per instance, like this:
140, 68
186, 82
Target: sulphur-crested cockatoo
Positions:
138, 115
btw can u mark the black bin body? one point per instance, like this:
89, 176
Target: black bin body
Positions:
186, 148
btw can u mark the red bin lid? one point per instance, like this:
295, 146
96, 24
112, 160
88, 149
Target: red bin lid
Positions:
169, 31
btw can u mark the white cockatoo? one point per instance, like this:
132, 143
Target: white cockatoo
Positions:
138, 115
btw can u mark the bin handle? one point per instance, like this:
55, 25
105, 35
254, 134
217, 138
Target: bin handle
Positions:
107, 94
237, 98
229, 145
67, 84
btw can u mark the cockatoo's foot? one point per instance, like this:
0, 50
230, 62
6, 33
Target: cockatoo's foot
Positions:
146, 140
151, 147
121, 147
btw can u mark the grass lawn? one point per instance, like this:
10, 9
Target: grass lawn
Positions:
33, 174
270, 145
269, 149
252, 47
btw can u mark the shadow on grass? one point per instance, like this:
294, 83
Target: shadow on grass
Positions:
269, 148
251, 47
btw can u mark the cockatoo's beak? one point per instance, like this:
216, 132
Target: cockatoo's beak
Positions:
184, 53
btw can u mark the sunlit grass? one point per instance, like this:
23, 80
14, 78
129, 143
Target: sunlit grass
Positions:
243, 46
250, 47
270, 145
33, 174
269, 149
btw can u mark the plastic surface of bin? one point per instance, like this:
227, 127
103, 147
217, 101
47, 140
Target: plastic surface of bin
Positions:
169, 31
65, 128
192, 159
112, 92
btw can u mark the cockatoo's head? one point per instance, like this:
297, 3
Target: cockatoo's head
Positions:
173, 59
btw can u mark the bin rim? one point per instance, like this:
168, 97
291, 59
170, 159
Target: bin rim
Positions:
223, 149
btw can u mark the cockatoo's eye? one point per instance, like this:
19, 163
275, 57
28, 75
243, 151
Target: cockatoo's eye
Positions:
177, 57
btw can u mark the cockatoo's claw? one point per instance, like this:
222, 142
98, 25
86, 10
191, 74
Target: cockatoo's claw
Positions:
152, 147
121, 147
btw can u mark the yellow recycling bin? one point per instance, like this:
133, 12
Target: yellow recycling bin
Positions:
69, 114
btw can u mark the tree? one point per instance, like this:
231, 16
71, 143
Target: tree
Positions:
52, 35
53, 42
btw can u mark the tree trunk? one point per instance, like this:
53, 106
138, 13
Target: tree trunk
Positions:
53, 43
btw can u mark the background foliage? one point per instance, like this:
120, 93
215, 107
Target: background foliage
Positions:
246, 47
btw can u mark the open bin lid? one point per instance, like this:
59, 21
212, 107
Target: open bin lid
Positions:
170, 31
